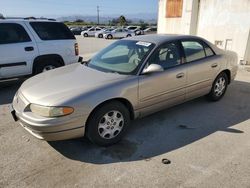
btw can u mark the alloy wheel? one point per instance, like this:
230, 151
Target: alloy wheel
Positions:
111, 124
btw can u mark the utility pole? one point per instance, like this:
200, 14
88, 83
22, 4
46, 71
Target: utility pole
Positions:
98, 15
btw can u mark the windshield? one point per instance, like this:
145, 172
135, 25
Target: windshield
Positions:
124, 57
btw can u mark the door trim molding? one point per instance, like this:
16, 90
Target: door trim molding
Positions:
13, 64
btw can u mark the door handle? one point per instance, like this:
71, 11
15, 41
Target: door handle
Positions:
180, 75
29, 48
214, 65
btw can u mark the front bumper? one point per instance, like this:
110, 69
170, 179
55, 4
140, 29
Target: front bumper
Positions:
49, 129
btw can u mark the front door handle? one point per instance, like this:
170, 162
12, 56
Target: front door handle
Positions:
29, 48
180, 75
214, 65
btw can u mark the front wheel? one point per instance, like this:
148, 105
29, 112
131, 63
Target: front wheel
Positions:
108, 124
110, 37
85, 35
219, 87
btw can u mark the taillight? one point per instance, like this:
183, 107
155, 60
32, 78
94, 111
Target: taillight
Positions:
76, 49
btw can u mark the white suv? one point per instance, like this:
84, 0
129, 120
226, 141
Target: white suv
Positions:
30, 46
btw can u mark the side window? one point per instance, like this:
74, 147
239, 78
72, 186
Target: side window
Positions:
13, 33
92, 30
193, 50
52, 31
208, 50
167, 56
98, 29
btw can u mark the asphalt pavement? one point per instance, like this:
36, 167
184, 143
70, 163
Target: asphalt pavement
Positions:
195, 144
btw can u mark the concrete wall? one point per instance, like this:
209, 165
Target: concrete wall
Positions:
187, 24
227, 21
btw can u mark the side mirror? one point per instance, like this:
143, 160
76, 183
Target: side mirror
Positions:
153, 68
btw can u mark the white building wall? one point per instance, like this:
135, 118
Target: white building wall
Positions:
227, 21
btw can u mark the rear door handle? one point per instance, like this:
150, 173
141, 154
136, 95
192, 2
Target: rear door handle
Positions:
29, 48
214, 65
180, 75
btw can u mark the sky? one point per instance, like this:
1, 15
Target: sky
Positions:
57, 8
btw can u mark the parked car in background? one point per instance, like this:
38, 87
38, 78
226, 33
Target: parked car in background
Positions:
100, 34
118, 33
133, 28
150, 30
139, 32
76, 30
32, 46
91, 32
129, 79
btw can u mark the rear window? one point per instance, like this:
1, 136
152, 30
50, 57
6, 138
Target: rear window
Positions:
52, 31
193, 50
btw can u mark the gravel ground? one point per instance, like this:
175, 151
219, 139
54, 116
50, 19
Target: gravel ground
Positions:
206, 143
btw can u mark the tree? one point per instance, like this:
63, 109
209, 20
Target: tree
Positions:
122, 20
114, 21
79, 20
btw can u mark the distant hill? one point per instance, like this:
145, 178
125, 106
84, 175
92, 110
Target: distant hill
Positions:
146, 17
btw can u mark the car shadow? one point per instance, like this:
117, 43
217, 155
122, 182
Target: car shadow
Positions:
8, 88
167, 130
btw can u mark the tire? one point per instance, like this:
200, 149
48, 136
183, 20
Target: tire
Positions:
85, 35
110, 36
219, 87
129, 35
46, 65
100, 36
103, 129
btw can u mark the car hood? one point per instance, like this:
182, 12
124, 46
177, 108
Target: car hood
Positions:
64, 83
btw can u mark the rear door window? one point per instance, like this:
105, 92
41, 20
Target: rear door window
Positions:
13, 33
194, 50
52, 31
208, 50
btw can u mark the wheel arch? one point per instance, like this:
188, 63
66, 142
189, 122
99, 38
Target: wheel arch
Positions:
124, 101
228, 73
46, 57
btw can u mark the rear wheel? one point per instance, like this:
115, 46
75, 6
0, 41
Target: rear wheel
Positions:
108, 124
100, 36
219, 87
46, 65
129, 35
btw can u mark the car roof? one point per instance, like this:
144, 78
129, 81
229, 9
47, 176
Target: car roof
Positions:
159, 39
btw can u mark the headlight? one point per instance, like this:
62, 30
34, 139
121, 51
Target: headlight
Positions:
49, 111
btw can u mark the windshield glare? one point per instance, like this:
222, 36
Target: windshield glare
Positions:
124, 57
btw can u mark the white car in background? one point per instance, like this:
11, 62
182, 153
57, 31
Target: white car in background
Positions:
150, 30
91, 32
119, 33
102, 32
133, 28
31, 46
